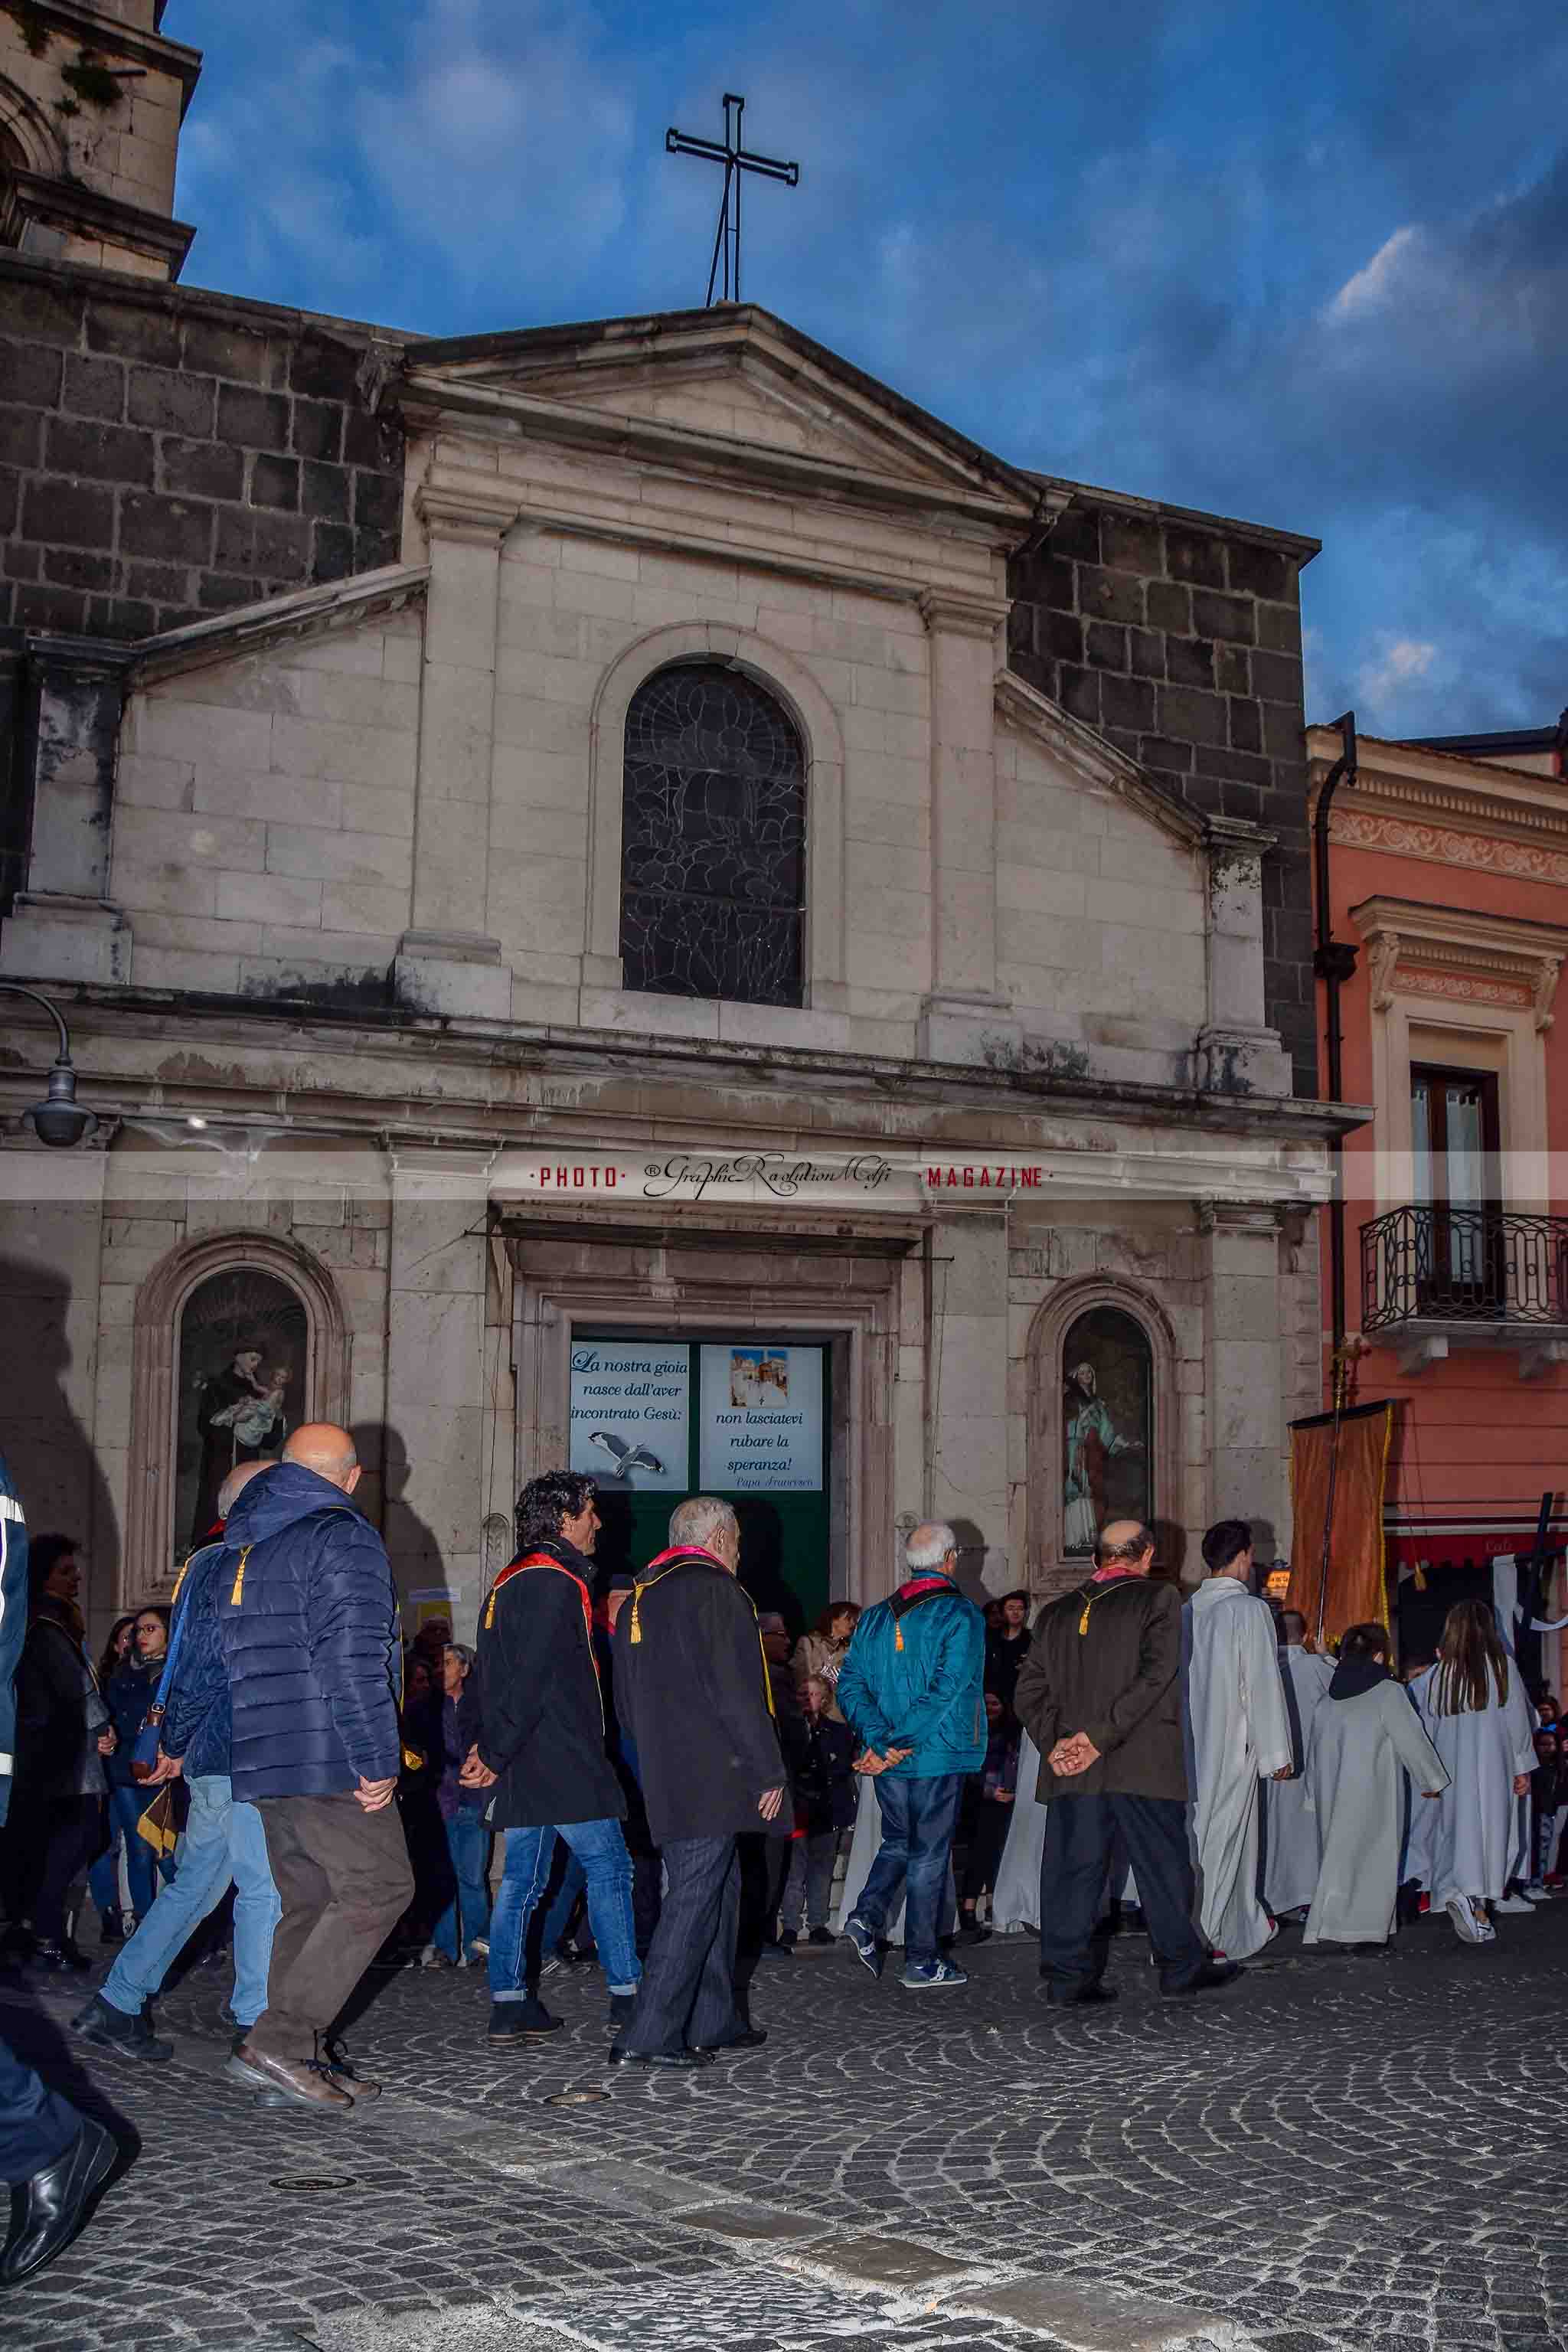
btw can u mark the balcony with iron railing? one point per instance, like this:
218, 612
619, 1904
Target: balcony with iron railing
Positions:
1438, 1279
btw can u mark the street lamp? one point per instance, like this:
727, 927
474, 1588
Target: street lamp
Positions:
60, 1121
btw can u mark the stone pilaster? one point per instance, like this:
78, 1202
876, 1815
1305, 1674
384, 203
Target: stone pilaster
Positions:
63, 927
445, 963
1238, 1053
966, 1391
1246, 1366
433, 1500
963, 1005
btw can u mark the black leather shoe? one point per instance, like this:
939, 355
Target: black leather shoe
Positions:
61, 1960
1209, 1978
110, 2027
521, 2020
1089, 1996
752, 2039
680, 2061
48, 2210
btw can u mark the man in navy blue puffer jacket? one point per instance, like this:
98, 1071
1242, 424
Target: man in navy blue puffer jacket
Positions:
308, 1624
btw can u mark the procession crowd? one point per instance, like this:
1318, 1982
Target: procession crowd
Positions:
674, 1788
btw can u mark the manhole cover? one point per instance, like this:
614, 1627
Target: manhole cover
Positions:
312, 2184
574, 2098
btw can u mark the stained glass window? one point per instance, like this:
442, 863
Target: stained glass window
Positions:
713, 839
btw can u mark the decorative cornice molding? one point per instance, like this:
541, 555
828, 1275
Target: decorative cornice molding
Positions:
1417, 949
1355, 828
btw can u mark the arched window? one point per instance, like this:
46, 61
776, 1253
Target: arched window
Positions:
240, 1388
712, 839
1108, 1425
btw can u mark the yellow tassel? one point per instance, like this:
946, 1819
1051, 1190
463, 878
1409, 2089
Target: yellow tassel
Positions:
898, 1635
239, 1578
1083, 1621
636, 1634
490, 1611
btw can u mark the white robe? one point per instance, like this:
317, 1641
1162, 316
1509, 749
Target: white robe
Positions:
1240, 1736
1015, 1897
1292, 1846
1359, 1751
1473, 1845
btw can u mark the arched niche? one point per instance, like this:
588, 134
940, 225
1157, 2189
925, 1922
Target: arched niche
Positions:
1092, 1321
317, 1387
786, 676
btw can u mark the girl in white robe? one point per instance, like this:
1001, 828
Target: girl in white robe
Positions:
1292, 1834
1365, 1737
1015, 1897
1477, 1716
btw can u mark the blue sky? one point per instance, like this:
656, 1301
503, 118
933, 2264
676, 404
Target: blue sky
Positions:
1300, 260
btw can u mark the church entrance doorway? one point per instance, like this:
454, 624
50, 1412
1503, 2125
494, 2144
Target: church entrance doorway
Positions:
744, 1415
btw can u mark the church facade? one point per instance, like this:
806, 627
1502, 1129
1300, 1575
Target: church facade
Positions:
665, 910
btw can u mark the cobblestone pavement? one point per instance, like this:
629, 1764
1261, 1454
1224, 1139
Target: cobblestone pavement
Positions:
1336, 2153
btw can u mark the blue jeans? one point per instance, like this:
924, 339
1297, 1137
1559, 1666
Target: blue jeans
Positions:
126, 1807
223, 1841
918, 1821
601, 1851
558, 1918
468, 1844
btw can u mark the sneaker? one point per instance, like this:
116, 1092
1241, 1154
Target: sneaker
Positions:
924, 1975
433, 1957
111, 2029
480, 1948
1515, 1906
856, 1932
519, 2020
1535, 1892
822, 1936
1470, 1924
789, 1938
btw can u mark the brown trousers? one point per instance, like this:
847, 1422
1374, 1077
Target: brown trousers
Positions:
343, 1879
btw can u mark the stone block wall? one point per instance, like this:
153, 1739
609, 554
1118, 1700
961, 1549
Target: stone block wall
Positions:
1178, 637
166, 454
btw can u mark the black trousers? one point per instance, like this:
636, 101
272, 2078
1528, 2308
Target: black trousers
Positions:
1080, 1833
986, 1839
687, 1996
37, 2126
54, 1841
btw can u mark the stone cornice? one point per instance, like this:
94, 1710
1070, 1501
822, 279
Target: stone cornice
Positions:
946, 614
1445, 790
310, 612
476, 508
34, 196
660, 539
465, 404
1089, 755
110, 38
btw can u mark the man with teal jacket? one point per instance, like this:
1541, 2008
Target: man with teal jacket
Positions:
911, 1686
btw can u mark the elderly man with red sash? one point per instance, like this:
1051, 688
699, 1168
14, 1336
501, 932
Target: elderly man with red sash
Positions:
542, 1748
692, 1694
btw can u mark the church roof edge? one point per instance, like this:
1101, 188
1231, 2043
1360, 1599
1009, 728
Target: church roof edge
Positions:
1294, 542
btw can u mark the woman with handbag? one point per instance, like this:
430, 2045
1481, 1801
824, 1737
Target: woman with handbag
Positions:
130, 1694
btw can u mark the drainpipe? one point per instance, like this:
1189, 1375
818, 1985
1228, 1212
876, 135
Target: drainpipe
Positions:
1333, 962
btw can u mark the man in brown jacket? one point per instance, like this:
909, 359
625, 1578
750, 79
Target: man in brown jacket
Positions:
1100, 1693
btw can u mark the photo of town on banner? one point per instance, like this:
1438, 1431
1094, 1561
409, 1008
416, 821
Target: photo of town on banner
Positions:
745, 1419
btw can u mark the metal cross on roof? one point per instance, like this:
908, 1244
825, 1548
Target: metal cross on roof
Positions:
736, 161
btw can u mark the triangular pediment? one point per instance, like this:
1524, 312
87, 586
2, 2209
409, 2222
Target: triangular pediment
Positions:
734, 384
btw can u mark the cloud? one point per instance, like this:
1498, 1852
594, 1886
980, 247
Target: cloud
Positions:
1382, 682
1371, 288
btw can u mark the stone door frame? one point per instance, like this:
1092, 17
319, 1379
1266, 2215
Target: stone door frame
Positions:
719, 1280
147, 1564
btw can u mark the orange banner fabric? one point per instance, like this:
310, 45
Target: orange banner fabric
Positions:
1338, 1466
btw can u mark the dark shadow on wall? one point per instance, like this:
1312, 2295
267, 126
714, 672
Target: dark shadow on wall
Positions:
416, 1555
54, 1468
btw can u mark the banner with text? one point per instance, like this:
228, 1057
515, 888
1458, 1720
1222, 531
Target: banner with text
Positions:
631, 1413
761, 1419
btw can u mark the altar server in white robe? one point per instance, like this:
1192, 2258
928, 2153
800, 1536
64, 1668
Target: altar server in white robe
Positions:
1239, 1736
1365, 1737
1291, 1843
1479, 1717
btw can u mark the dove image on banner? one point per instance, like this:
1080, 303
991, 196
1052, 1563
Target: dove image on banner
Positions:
761, 1420
631, 1412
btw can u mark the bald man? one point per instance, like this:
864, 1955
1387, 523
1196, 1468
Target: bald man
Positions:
224, 1840
307, 1617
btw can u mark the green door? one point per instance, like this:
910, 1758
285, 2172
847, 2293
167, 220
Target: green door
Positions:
744, 1418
